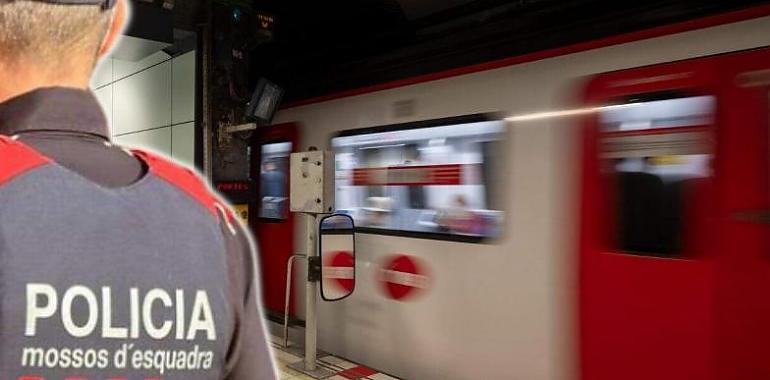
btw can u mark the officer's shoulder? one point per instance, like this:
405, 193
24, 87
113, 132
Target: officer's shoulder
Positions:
17, 158
185, 180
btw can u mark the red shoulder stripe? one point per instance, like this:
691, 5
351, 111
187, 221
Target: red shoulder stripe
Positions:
186, 180
17, 158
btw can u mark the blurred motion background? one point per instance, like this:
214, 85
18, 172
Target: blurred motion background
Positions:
558, 189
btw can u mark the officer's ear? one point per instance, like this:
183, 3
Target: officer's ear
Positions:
117, 23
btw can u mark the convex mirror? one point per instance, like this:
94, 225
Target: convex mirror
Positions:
338, 256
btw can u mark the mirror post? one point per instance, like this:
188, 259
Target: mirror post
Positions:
311, 192
311, 298
340, 229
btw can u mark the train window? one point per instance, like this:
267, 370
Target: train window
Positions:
426, 179
274, 170
639, 114
658, 158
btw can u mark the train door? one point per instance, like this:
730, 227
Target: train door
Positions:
743, 276
272, 223
646, 261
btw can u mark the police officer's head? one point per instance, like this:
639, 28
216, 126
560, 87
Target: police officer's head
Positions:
56, 42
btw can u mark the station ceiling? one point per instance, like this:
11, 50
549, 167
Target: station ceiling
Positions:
323, 47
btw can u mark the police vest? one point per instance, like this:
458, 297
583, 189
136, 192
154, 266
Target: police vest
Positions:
110, 283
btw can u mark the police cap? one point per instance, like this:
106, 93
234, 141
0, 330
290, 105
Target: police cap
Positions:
106, 4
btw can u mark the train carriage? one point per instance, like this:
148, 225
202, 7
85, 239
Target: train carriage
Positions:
623, 184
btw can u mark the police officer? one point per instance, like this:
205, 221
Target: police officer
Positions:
114, 264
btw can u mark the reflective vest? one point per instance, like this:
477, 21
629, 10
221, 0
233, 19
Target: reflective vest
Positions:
101, 283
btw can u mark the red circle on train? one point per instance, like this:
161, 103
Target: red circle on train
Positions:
343, 259
402, 277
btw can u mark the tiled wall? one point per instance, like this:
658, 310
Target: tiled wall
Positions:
150, 104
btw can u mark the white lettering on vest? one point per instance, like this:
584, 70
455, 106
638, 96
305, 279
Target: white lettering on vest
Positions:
143, 309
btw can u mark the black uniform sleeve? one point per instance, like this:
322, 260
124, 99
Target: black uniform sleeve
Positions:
250, 356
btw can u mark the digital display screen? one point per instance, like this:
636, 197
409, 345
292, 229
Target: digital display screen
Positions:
268, 102
264, 101
435, 180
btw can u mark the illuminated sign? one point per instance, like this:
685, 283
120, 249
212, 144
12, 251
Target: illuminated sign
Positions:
233, 186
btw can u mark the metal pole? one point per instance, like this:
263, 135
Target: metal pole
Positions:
206, 98
289, 276
311, 295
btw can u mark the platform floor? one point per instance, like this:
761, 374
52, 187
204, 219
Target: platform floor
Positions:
343, 369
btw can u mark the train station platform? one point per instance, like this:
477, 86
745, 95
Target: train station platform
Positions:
343, 369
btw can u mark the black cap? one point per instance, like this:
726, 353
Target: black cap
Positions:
106, 4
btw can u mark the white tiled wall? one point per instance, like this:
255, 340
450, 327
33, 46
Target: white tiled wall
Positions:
150, 104
122, 69
183, 86
142, 101
158, 140
183, 142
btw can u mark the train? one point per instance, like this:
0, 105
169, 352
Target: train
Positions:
597, 211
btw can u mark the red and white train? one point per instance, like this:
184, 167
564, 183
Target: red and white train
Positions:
625, 191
